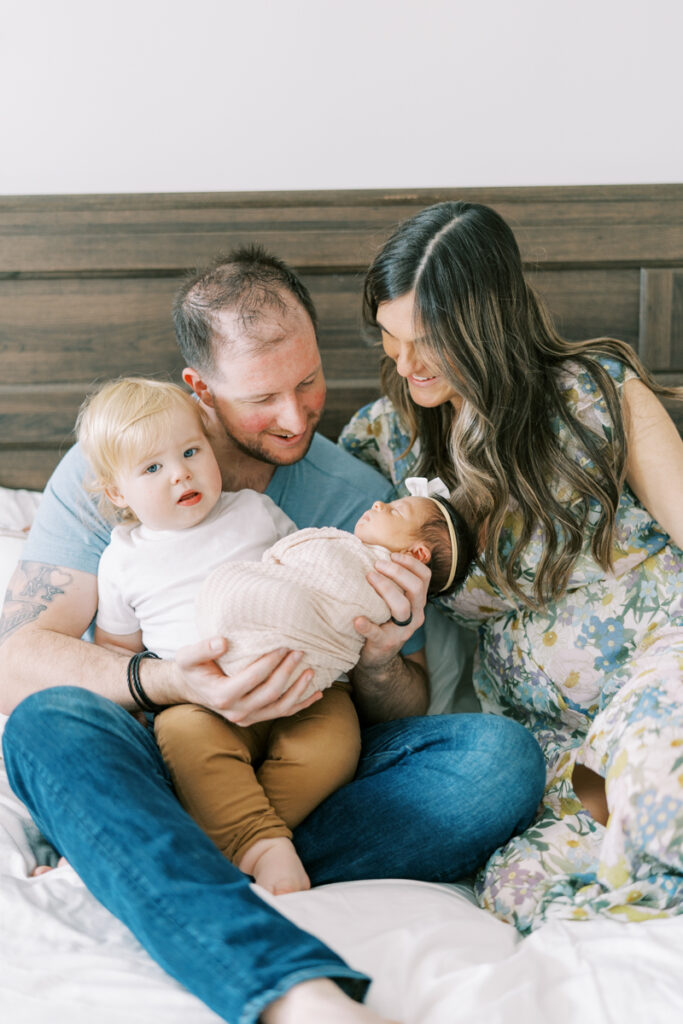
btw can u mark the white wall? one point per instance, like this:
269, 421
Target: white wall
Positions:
203, 95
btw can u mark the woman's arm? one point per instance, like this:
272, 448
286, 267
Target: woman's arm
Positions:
655, 457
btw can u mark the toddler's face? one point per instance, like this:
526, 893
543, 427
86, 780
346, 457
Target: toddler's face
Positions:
396, 524
176, 485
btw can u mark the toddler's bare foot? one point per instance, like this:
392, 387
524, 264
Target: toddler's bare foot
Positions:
319, 1000
275, 864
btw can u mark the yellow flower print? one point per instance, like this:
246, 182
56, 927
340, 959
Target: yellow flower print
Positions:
570, 805
616, 875
572, 679
618, 766
650, 636
549, 638
636, 913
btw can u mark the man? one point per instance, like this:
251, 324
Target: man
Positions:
92, 776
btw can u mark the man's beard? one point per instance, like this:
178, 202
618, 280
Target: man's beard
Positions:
255, 449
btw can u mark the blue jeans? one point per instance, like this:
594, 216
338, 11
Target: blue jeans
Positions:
433, 797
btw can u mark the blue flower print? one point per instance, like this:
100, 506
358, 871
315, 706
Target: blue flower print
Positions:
610, 637
654, 813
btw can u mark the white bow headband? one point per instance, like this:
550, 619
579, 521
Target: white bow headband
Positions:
420, 487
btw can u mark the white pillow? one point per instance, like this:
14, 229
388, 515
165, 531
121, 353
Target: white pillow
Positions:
17, 509
11, 547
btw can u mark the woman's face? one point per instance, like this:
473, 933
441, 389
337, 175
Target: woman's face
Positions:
426, 384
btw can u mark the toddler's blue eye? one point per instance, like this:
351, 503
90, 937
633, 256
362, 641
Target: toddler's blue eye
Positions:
189, 452
153, 468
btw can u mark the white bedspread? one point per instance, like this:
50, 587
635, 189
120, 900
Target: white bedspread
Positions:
435, 957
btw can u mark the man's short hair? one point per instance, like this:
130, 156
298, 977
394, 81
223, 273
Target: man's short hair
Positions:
246, 281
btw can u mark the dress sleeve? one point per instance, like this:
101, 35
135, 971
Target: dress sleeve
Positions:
586, 399
376, 435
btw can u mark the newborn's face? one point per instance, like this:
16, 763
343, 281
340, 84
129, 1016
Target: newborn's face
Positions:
395, 524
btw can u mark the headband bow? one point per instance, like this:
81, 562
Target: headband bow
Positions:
421, 487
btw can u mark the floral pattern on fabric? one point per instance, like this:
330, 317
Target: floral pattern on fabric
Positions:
597, 677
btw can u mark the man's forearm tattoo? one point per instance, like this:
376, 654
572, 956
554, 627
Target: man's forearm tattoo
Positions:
28, 597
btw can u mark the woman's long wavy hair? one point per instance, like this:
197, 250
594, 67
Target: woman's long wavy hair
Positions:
480, 322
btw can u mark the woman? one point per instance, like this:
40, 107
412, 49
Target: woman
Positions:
570, 472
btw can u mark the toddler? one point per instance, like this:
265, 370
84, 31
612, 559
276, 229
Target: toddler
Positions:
154, 467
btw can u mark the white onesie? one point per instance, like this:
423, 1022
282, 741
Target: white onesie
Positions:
149, 579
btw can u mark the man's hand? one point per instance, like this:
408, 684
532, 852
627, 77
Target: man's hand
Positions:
402, 581
270, 687
386, 685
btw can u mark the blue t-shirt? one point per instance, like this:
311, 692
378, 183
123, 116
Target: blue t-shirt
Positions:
328, 487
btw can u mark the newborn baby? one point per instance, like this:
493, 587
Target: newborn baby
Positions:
309, 587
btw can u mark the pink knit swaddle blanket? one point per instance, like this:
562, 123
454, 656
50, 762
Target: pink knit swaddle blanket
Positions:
304, 594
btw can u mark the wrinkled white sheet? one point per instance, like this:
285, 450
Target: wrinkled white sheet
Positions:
435, 957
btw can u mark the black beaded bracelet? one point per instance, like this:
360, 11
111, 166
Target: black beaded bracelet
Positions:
135, 686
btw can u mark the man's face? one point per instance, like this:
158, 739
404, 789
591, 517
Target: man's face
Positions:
268, 388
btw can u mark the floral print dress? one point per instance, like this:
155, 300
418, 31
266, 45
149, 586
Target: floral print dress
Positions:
598, 678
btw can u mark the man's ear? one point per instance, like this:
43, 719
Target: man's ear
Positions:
199, 386
115, 497
421, 552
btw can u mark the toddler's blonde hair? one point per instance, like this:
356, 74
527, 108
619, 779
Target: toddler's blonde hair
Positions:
121, 422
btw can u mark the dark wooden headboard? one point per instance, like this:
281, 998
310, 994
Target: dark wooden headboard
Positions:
86, 284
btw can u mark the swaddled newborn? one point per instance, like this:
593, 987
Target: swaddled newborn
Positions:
304, 595
309, 587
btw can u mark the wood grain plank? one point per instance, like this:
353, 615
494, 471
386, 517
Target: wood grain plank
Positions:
82, 330
61, 331
86, 284
656, 300
111, 234
592, 303
28, 467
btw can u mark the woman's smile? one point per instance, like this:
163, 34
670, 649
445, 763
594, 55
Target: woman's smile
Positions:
396, 321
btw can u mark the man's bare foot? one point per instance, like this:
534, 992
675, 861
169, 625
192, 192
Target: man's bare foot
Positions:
275, 865
319, 1000
42, 869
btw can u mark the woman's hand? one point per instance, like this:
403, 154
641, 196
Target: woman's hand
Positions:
271, 687
402, 581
